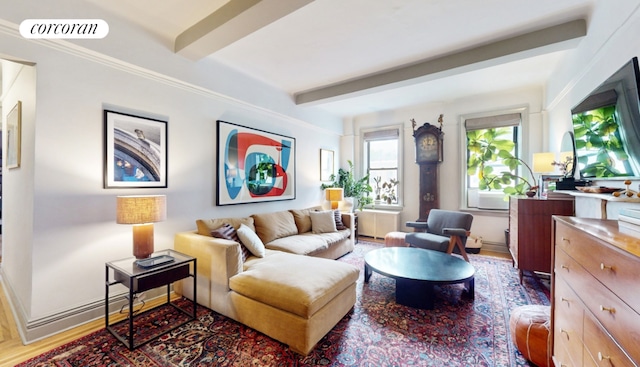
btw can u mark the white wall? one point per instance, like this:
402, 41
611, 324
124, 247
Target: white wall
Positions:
17, 189
489, 225
59, 223
612, 40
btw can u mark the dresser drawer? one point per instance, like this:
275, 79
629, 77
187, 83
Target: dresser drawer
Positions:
568, 328
615, 268
601, 350
616, 317
561, 358
610, 310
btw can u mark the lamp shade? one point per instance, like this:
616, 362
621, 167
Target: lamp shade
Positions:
543, 162
141, 209
334, 194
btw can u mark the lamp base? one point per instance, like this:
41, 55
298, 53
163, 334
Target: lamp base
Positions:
143, 240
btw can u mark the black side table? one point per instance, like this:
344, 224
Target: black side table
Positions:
139, 279
355, 224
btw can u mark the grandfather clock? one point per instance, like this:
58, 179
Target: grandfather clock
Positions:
428, 139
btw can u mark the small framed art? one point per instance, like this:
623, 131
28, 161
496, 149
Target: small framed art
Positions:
326, 164
14, 136
135, 151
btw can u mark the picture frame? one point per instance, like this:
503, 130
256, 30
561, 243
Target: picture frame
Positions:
326, 164
135, 151
254, 165
14, 136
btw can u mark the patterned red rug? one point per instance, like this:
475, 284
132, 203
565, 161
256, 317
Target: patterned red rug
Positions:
378, 332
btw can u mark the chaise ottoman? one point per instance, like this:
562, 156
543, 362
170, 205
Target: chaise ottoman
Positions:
294, 299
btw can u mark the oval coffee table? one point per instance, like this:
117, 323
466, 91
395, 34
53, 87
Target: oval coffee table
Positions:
416, 271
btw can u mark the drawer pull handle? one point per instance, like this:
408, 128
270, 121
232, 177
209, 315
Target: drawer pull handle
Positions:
563, 331
566, 239
562, 299
603, 267
607, 309
602, 358
564, 267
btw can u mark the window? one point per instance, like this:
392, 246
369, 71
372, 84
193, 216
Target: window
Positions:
381, 156
489, 140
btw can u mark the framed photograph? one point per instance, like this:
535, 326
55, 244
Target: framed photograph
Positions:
14, 136
254, 165
135, 151
326, 164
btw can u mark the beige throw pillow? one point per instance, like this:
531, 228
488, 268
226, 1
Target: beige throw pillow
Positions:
323, 221
250, 239
302, 219
274, 225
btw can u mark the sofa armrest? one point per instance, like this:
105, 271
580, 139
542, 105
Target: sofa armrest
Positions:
218, 259
348, 219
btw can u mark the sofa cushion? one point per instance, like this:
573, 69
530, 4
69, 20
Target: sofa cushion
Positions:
299, 284
227, 232
338, 219
205, 226
302, 219
274, 225
323, 221
250, 239
307, 243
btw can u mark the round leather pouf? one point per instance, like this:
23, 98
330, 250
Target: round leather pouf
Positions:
531, 333
394, 239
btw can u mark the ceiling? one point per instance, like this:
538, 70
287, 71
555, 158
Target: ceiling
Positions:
352, 44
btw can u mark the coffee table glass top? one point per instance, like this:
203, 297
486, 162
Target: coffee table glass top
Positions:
419, 264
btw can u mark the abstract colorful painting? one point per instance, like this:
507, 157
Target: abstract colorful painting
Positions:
254, 165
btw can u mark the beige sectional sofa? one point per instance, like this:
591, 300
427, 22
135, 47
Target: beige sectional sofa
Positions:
295, 293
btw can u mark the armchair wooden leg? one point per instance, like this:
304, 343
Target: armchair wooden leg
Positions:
457, 241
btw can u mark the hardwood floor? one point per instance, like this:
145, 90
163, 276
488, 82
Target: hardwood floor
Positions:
14, 352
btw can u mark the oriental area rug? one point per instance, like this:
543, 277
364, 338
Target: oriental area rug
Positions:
377, 332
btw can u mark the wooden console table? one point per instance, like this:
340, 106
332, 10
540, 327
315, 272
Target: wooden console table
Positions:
602, 206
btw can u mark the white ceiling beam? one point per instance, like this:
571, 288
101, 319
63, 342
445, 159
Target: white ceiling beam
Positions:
233, 21
551, 39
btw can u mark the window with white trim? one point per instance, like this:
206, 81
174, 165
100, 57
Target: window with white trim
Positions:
382, 163
489, 140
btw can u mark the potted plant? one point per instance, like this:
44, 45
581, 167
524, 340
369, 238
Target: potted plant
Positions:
390, 191
378, 198
357, 189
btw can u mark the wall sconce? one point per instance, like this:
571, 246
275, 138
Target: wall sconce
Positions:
141, 211
334, 195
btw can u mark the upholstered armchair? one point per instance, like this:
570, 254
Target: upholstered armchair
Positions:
444, 231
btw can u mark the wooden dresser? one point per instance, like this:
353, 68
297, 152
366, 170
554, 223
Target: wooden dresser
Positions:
530, 231
595, 294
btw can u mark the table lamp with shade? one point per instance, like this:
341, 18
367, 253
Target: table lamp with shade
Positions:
543, 163
141, 211
334, 195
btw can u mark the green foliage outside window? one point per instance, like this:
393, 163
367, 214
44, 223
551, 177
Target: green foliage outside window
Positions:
488, 148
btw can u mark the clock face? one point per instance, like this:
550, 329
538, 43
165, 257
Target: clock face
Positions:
428, 148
